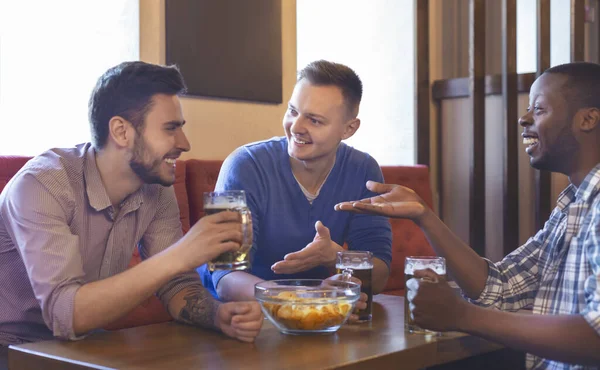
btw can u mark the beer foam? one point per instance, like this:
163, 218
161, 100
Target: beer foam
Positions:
224, 203
354, 266
437, 268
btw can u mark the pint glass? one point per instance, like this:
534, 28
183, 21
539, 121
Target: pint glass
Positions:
361, 265
438, 265
231, 200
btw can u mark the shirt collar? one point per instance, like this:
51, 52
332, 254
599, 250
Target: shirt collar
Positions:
586, 190
590, 185
95, 190
94, 187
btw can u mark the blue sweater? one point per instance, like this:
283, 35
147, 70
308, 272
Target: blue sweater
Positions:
284, 220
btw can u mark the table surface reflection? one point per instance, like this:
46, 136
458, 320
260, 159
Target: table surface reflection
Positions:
381, 343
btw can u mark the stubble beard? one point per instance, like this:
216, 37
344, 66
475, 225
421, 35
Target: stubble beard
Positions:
561, 155
147, 172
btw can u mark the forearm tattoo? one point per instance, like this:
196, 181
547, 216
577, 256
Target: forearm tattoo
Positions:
200, 308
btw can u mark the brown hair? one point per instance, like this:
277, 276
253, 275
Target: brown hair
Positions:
325, 73
126, 90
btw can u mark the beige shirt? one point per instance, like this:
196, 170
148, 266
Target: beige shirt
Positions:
58, 231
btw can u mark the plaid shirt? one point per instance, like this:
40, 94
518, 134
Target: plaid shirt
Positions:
557, 272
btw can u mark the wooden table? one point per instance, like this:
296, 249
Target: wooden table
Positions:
380, 344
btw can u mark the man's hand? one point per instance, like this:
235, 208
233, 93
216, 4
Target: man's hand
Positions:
208, 238
240, 320
433, 304
361, 304
322, 251
394, 201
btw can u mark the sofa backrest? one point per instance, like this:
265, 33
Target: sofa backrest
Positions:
194, 177
407, 237
201, 176
9, 166
182, 195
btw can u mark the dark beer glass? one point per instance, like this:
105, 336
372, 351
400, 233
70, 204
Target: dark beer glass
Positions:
438, 265
231, 200
361, 265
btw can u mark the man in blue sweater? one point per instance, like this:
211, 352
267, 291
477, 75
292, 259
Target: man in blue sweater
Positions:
292, 184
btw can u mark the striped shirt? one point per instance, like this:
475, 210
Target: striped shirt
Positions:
59, 230
557, 272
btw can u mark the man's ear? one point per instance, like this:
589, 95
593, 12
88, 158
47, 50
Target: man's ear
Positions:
120, 131
590, 119
351, 127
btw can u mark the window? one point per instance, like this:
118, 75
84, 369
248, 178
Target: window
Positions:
51, 54
376, 40
560, 33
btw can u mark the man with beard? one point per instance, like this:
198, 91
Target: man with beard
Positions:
70, 218
557, 272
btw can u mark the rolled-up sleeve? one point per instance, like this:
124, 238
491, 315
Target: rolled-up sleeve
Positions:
38, 223
164, 230
513, 282
591, 287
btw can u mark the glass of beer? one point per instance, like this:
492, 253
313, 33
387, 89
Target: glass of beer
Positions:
361, 265
438, 265
231, 200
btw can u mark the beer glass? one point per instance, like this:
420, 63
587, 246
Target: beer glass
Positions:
438, 265
231, 200
361, 265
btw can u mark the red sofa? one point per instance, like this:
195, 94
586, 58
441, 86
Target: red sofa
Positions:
193, 177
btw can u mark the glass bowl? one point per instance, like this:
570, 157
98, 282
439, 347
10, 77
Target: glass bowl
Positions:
305, 306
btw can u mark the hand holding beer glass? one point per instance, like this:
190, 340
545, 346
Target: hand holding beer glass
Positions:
231, 200
438, 265
361, 265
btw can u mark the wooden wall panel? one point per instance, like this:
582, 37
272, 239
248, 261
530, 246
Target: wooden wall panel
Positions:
494, 178
422, 85
508, 201
459, 87
455, 192
510, 116
477, 92
577, 30
543, 204
455, 116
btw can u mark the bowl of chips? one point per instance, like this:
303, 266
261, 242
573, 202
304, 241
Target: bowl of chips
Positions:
305, 306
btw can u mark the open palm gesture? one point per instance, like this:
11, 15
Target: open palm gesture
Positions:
393, 201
